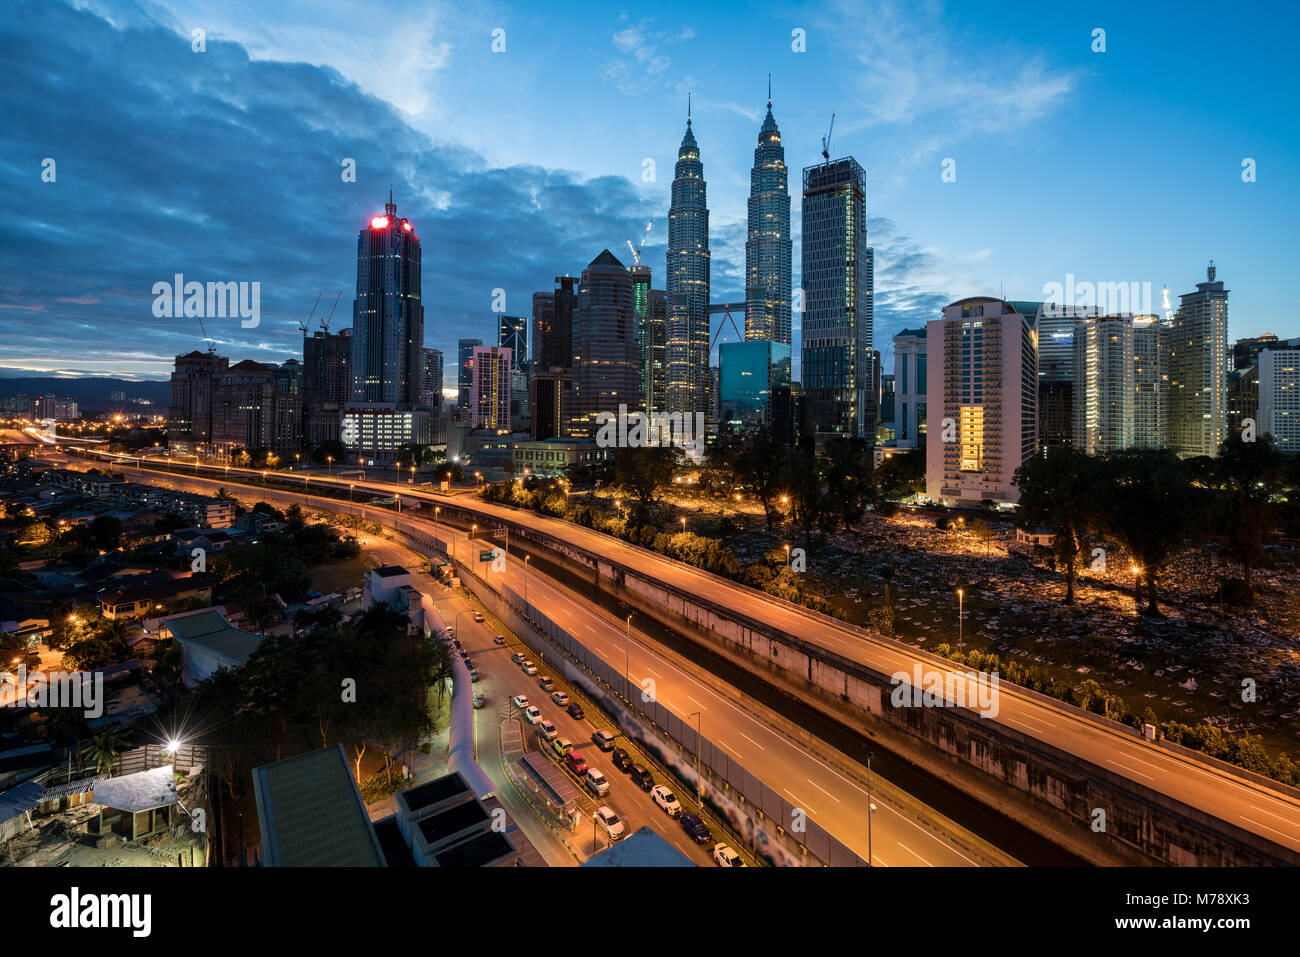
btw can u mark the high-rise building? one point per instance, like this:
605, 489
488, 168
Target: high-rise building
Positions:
543, 326
1150, 386
767, 238
606, 358
326, 384
1103, 384
387, 316
641, 306
465, 374
688, 266
1279, 395
512, 334
909, 385
752, 376
655, 353
837, 279
1197, 359
550, 393
431, 381
194, 385
258, 406
983, 386
491, 389
1056, 382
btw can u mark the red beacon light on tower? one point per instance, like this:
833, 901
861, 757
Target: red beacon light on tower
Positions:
379, 222
406, 225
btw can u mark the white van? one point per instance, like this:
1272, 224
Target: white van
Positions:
596, 782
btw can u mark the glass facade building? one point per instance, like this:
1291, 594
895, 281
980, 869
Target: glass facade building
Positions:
753, 377
767, 242
688, 283
387, 316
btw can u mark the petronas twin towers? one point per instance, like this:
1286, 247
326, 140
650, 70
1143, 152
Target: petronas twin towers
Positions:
767, 263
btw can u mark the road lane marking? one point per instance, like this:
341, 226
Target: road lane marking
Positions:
1130, 770
799, 805
823, 790
752, 741
914, 854
700, 703
1289, 837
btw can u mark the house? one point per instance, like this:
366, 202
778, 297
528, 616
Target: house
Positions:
135, 596
1038, 536
211, 540
136, 806
209, 643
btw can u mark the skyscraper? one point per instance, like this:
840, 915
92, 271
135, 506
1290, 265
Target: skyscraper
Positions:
194, 385
655, 357
465, 374
837, 295
1150, 385
1103, 384
387, 317
767, 242
431, 384
258, 406
543, 326
983, 391
641, 306
553, 324
688, 283
909, 385
606, 359
1279, 395
1198, 359
490, 389
512, 334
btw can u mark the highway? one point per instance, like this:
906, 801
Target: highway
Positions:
1254, 807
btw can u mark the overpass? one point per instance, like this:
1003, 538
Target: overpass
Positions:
1093, 785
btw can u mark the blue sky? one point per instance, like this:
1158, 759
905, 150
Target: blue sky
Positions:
516, 166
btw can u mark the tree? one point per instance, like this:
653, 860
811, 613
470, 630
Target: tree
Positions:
331, 449
761, 467
642, 472
902, 476
1248, 475
849, 477
105, 533
807, 496
1060, 491
1148, 504
102, 750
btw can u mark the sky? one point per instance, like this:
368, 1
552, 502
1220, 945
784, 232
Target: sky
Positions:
522, 139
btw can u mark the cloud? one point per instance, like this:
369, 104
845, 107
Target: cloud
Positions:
642, 63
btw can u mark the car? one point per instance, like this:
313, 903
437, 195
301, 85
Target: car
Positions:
478, 616
529, 668
517, 657
695, 829
666, 800
474, 675
575, 711
478, 701
609, 823
575, 763
725, 856
603, 740
560, 698
498, 639
469, 663
562, 746
464, 653
533, 714
547, 731
451, 631
521, 701
644, 780
547, 683
622, 760
596, 782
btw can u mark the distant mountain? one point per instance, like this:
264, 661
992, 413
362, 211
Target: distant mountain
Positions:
93, 393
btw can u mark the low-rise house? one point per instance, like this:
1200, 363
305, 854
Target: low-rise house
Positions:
209, 644
138, 595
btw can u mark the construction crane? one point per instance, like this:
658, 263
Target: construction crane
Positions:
826, 141
636, 250
302, 326
325, 323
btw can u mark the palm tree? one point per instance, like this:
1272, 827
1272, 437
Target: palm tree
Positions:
104, 748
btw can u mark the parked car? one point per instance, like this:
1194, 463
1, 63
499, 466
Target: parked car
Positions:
562, 746
529, 668
666, 800
641, 777
724, 856
469, 663
603, 740
521, 701
547, 731
575, 711
622, 760
609, 823
560, 698
474, 675
499, 640
575, 763
478, 616
517, 657
533, 714
464, 653
695, 829
478, 701
596, 782
547, 683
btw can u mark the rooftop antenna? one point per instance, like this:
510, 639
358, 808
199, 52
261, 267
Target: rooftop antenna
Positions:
325, 323
769, 91
688, 108
303, 325
826, 141
636, 250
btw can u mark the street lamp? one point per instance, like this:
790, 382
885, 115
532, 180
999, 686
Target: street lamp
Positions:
329, 461
627, 659
960, 595
1137, 588
683, 526
527, 559
264, 479
870, 807
350, 487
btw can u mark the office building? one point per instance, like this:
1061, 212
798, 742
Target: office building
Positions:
1150, 385
387, 316
326, 384
258, 407
655, 352
543, 325
606, 358
465, 374
512, 334
550, 395
490, 389
1104, 390
688, 273
837, 278
641, 306
909, 383
193, 386
767, 239
1197, 360
1279, 395
752, 376
431, 380
983, 385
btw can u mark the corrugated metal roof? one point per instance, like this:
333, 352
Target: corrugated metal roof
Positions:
25, 797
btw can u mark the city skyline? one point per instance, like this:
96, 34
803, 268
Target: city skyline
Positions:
557, 217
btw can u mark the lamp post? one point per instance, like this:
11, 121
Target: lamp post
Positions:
960, 595
350, 487
870, 808
329, 462
264, 478
627, 661
527, 559
1137, 590
683, 525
